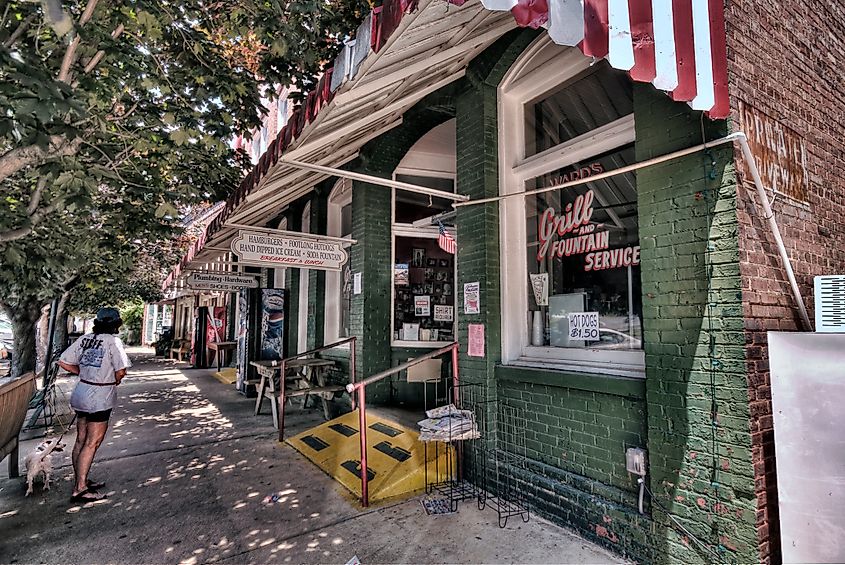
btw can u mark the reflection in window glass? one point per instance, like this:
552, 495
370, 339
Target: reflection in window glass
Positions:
596, 97
583, 246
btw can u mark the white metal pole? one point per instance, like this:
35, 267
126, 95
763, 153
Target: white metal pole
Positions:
376, 180
773, 225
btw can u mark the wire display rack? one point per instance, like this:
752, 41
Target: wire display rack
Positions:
510, 458
483, 468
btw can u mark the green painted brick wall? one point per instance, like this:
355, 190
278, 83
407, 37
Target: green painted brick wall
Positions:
698, 427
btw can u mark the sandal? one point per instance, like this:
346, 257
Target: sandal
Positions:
94, 485
87, 496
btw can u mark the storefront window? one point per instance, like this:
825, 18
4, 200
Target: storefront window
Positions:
411, 207
570, 257
591, 99
423, 290
583, 258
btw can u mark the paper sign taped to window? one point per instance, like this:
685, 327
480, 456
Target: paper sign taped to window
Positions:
584, 326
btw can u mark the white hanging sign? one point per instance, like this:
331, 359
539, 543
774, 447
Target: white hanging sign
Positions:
269, 250
220, 281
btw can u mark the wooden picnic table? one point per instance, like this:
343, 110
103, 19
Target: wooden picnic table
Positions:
303, 377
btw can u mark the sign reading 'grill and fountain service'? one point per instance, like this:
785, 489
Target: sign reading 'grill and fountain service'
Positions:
268, 250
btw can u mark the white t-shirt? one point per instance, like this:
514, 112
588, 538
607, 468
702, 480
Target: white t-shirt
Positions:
98, 357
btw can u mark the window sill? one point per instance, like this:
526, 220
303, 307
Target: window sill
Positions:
620, 363
420, 344
598, 382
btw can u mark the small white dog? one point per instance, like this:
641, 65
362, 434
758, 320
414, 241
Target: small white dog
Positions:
40, 461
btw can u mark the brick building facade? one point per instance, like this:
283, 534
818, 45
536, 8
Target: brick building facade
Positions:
688, 380
785, 62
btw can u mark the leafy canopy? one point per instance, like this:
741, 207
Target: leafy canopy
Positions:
115, 116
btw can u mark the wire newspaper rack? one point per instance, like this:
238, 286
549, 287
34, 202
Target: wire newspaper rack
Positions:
483, 465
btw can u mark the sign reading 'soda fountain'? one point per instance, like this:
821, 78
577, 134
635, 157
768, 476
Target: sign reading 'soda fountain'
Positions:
269, 250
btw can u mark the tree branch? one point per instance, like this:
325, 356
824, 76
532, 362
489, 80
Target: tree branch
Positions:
21, 157
35, 218
88, 13
35, 199
70, 53
98, 56
19, 31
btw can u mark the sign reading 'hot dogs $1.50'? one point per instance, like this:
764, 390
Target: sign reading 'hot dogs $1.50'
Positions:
269, 250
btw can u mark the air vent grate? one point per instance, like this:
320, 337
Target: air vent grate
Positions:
830, 303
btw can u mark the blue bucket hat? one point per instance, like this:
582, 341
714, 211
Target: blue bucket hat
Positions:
108, 315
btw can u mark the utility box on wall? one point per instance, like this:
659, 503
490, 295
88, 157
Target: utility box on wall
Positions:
808, 402
829, 292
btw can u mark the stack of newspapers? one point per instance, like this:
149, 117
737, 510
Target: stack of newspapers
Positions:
447, 423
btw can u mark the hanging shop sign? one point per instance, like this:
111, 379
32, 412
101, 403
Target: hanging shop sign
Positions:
269, 250
443, 313
221, 282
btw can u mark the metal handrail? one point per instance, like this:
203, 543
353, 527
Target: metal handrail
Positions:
361, 387
283, 362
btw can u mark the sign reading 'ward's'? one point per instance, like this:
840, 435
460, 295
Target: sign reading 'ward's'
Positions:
221, 281
268, 250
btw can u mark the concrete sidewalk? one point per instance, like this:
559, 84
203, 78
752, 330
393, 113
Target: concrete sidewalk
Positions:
187, 467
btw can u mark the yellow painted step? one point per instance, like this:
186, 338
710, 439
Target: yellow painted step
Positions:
395, 456
227, 376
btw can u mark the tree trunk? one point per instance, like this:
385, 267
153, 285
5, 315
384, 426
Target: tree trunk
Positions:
24, 314
60, 327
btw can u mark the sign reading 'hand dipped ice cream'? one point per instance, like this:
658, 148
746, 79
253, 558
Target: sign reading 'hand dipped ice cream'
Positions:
269, 250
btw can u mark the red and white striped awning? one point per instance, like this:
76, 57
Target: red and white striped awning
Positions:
677, 45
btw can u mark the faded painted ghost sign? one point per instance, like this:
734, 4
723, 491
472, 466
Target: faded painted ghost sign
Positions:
270, 250
781, 153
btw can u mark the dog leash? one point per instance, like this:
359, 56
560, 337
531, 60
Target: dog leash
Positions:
58, 441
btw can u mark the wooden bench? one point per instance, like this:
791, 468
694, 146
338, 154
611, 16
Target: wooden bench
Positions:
14, 401
180, 348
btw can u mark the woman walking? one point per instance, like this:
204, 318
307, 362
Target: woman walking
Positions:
101, 362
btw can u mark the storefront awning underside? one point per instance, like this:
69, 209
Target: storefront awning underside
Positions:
407, 49
430, 48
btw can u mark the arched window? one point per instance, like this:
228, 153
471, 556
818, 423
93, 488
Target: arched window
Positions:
423, 294
570, 256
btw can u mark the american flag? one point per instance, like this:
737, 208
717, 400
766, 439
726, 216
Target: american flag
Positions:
445, 241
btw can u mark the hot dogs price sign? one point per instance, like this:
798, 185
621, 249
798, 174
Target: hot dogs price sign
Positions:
271, 250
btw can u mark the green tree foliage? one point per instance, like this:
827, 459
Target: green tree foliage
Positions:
114, 116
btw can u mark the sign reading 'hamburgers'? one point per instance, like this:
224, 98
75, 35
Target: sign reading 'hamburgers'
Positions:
268, 250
